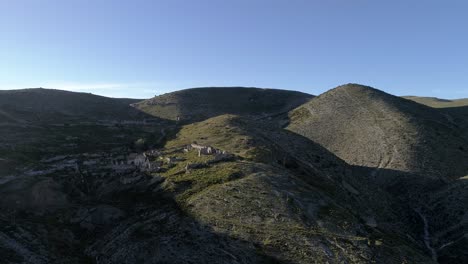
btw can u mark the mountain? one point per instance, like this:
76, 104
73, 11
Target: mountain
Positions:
284, 190
228, 183
409, 151
367, 127
198, 104
267, 193
46, 105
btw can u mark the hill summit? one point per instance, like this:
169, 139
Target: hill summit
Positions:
368, 127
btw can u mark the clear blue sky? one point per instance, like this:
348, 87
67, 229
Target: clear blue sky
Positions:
141, 48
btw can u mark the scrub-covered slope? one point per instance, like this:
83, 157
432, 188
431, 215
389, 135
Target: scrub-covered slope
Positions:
368, 127
260, 195
233, 188
198, 104
283, 191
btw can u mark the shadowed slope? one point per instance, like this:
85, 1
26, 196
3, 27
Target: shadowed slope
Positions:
201, 103
437, 102
447, 211
38, 122
368, 127
456, 110
49, 105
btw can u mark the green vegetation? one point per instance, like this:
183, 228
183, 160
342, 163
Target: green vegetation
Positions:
300, 114
226, 132
221, 132
197, 180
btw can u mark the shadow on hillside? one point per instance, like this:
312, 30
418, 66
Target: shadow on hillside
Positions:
154, 228
28, 135
399, 192
167, 233
425, 215
442, 141
459, 114
400, 183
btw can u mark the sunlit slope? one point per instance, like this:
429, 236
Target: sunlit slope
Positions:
367, 127
281, 191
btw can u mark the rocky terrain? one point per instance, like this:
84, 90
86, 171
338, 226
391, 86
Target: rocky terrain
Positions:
231, 175
368, 127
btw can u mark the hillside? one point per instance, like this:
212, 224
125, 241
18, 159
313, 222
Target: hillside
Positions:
370, 128
448, 214
456, 109
437, 102
36, 122
358, 176
292, 190
198, 104
270, 193
49, 105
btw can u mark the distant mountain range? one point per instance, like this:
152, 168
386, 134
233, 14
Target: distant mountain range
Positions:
233, 175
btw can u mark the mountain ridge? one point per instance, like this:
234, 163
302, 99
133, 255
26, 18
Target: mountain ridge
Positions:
229, 182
